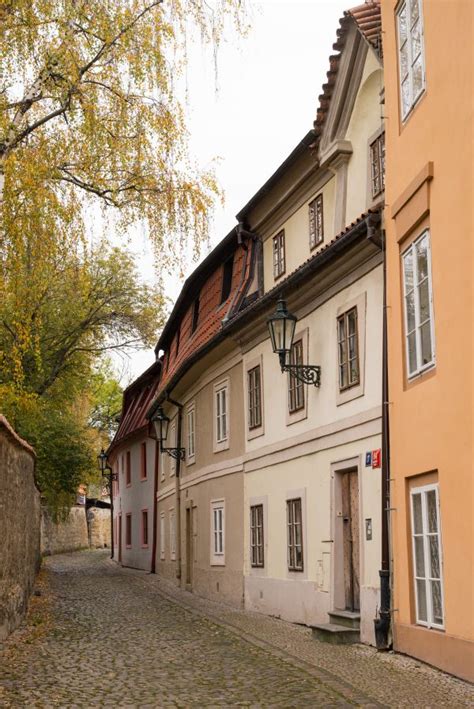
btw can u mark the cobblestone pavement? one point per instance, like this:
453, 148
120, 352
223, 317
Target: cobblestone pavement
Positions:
104, 636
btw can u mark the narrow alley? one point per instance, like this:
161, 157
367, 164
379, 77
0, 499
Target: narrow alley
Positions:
100, 635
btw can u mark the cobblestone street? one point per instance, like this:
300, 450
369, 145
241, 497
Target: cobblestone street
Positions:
102, 635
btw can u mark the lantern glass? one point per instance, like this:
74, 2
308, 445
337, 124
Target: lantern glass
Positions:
161, 422
282, 329
102, 460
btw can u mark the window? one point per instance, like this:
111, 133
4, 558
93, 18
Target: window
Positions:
427, 557
217, 532
295, 534
191, 447
143, 471
162, 535
144, 528
410, 54
128, 469
348, 346
418, 306
195, 315
279, 254
162, 464
316, 223
296, 388
227, 271
172, 534
377, 165
255, 398
172, 444
256, 535
128, 530
221, 414
178, 334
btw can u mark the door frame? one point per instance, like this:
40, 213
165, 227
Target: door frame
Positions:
337, 590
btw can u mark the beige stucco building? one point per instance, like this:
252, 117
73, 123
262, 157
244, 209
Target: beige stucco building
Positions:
312, 507
428, 55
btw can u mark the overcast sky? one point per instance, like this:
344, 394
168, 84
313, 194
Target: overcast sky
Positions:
264, 102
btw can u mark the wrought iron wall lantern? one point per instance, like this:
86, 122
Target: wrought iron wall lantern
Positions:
161, 423
282, 330
110, 477
105, 468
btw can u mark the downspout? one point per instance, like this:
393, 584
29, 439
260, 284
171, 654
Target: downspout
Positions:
382, 624
177, 484
155, 511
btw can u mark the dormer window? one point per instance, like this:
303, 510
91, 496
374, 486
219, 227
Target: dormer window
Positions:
316, 222
377, 165
279, 254
227, 271
195, 315
178, 333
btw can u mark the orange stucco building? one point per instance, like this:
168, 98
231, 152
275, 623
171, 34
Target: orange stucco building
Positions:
428, 62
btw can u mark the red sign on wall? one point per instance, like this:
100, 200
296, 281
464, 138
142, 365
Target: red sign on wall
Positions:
376, 458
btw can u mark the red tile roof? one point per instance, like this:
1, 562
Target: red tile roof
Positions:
369, 21
211, 313
137, 398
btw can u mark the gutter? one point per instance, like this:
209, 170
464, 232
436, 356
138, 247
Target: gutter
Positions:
382, 624
177, 484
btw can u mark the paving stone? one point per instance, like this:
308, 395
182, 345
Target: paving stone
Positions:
119, 637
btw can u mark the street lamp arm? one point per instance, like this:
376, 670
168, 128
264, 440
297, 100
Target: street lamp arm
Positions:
306, 373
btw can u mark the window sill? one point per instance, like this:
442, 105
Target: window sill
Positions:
144, 546
426, 373
143, 480
128, 546
298, 415
128, 485
191, 460
221, 446
218, 563
255, 432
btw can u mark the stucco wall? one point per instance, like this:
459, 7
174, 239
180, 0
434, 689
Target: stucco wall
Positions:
133, 499
68, 535
19, 528
431, 416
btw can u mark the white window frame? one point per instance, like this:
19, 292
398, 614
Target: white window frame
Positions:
191, 433
172, 523
162, 536
217, 532
172, 444
257, 536
420, 367
413, 100
425, 534
221, 431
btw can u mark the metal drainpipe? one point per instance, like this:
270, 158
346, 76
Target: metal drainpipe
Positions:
155, 511
177, 485
382, 624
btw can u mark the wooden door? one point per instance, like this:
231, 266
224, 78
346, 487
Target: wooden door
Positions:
120, 539
189, 547
350, 511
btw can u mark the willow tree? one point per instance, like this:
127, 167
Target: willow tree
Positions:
88, 106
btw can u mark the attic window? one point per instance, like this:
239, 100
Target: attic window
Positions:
227, 271
178, 332
195, 314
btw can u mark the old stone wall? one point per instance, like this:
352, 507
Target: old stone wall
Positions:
68, 535
19, 527
99, 527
